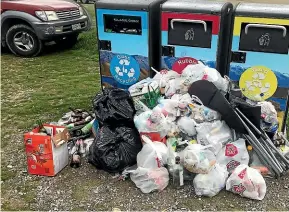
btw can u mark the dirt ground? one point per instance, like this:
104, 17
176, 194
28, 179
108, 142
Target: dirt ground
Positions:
86, 189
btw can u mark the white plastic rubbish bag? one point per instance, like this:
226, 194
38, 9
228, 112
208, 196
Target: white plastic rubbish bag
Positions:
247, 182
151, 121
164, 76
172, 128
194, 72
268, 113
198, 159
140, 121
187, 125
199, 71
174, 107
215, 77
153, 154
168, 108
233, 154
176, 86
212, 183
149, 180
213, 133
182, 99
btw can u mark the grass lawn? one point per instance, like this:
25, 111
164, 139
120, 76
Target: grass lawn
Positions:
42, 88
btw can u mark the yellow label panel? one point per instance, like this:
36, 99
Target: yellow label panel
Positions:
258, 83
240, 20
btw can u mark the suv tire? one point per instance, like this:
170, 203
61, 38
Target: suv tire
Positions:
23, 41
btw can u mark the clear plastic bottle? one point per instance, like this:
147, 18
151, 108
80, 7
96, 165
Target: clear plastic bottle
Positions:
178, 173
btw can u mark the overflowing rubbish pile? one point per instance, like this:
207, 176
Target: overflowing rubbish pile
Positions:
179, 127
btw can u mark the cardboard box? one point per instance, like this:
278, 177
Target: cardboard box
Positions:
46, 155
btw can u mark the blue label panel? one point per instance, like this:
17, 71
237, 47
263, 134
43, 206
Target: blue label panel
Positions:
127, 62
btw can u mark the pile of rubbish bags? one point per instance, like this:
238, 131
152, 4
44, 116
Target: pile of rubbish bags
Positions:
158, 131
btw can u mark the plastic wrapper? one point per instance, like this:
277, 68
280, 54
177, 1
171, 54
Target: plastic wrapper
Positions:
153, 154
149, 180
269, 119
233, 154
187, 125
175, 107
186, 137
137, 87
115, 148
247, 182
113, 107
212, 183
147, 91
199, 71
176, 86
163, 77
140, 106
198, 159
173, 129
214, 133
201, 113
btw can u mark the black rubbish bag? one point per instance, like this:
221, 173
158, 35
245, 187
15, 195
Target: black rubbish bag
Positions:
114, 107
115, 148
252, 112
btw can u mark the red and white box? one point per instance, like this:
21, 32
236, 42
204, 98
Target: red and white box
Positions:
46, 155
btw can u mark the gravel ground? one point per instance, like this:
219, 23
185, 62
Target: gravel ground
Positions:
86, 188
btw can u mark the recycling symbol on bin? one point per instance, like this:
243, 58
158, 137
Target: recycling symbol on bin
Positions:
124, 69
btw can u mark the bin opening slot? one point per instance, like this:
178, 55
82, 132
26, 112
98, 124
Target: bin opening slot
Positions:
122, 24
267, 38
186, 32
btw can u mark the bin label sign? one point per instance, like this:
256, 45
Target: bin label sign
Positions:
182, 63
124, 69
239, 189
231, 150
258, 83
190, 34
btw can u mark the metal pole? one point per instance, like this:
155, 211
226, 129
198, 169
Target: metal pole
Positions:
265, 137
261, 157
261, 148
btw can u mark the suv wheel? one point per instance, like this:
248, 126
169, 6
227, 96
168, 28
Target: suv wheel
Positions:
22, 40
